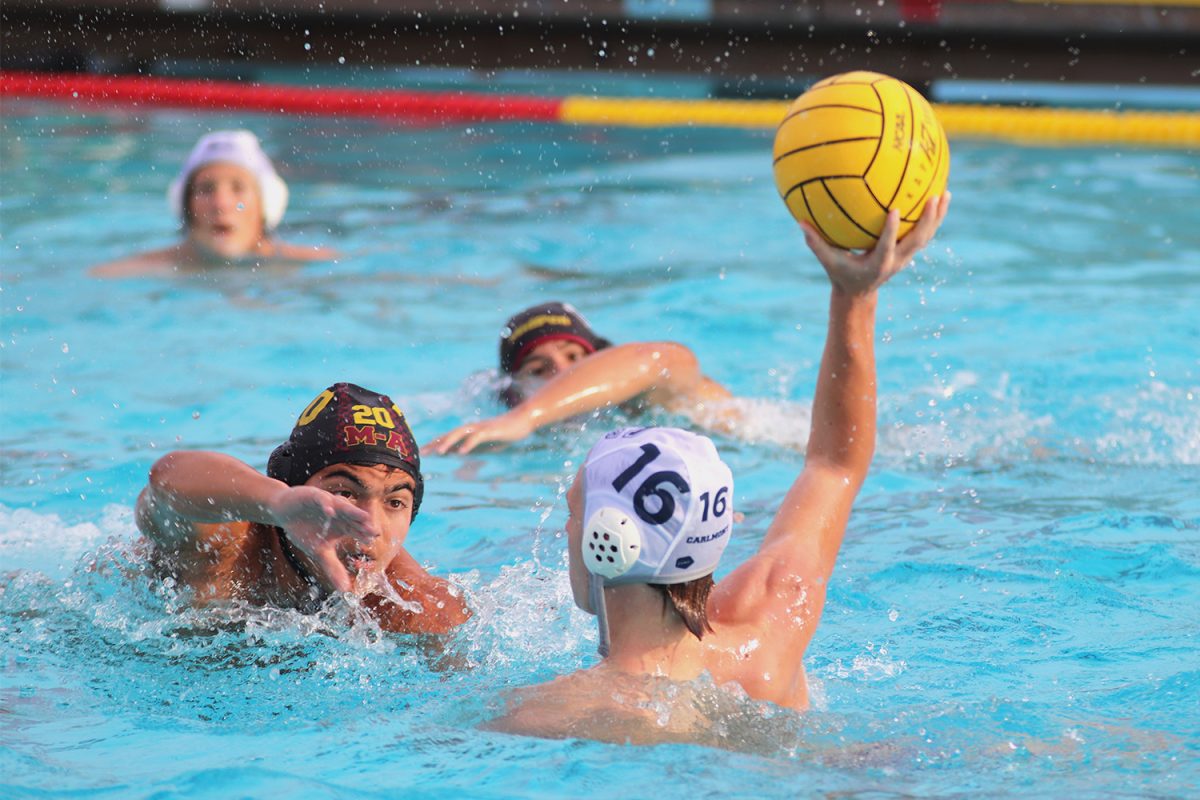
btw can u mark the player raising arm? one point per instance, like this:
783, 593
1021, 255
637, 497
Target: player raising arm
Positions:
651, 511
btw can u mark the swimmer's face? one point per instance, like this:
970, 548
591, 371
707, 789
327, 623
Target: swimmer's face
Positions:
384, 492
547, 360
577, 570
225, 213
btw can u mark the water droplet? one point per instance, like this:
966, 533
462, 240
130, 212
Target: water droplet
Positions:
66, 348
195, 415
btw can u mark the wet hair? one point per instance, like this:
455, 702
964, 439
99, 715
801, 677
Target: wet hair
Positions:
690, 601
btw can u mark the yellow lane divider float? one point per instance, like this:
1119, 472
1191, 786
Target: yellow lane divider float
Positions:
1014, 124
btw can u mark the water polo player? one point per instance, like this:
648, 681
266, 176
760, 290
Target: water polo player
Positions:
558, 367
331, 515
230, 200
651, 511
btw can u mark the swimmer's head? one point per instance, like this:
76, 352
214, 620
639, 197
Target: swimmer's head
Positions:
347, 424
651, 506
237, 149
541, 341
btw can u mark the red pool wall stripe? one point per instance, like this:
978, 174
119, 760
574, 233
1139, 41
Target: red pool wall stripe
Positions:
230, 96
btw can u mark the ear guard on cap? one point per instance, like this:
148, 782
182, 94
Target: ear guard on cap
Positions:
612, 542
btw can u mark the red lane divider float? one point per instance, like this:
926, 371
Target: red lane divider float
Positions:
231, 96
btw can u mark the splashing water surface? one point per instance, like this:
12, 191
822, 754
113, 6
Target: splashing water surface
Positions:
1014, 609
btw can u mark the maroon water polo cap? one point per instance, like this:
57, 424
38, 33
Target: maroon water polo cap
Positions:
543, 323
347, 424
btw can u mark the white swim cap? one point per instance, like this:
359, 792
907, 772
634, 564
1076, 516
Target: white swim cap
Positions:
658, 508
240, 148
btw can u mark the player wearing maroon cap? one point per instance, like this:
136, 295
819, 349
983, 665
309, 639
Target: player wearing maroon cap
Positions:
331, 515
549, 352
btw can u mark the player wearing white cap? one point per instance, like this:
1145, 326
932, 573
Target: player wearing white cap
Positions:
651, 511
230, 200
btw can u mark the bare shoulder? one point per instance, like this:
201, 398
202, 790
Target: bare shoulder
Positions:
419, 602
215, 561
153, 262
764, 581
552, 710
768, 599
296, 252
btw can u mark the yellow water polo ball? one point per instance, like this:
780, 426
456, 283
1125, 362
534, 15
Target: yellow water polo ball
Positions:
855, 146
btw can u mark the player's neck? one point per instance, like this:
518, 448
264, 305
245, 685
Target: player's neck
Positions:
646, 639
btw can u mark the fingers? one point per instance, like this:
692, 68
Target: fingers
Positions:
333, 569
922, 233
446, 442
476, 439
468, 444
943, 208
465, 438
823, 250
885, 247
358, 526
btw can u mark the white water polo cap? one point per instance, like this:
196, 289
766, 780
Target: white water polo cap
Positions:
658, 507
242, 149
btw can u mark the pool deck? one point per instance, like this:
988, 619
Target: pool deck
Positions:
746, 47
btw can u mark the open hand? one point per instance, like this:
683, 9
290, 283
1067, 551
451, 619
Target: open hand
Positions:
314, 521
859, 273
509, 427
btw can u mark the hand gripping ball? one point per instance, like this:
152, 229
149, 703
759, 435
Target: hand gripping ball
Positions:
854, 146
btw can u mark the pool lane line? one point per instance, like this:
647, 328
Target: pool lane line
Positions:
1014, 124
278, 99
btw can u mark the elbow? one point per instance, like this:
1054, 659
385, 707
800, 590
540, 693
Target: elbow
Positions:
672, 363
164, 471
160, 472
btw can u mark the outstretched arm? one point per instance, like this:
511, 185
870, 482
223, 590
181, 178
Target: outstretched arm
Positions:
190, 488
666, 373
802, 542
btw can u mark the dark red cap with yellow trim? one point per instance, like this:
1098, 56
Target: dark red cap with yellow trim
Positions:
347, 424
542, 323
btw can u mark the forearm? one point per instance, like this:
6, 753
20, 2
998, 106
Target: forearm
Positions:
611, 377
212, 487
843, 415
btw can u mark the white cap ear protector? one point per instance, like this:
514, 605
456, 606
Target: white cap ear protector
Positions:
242, 149
612, 542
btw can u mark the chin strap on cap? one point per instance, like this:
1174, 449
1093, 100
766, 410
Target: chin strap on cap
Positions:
596, 596
612, 542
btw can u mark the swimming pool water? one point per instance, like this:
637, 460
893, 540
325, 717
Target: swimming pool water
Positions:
1014, 611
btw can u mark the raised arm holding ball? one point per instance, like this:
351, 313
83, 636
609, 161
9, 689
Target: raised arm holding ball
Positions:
651, 511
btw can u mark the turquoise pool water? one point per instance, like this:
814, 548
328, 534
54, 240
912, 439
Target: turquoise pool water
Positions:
1015, 608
